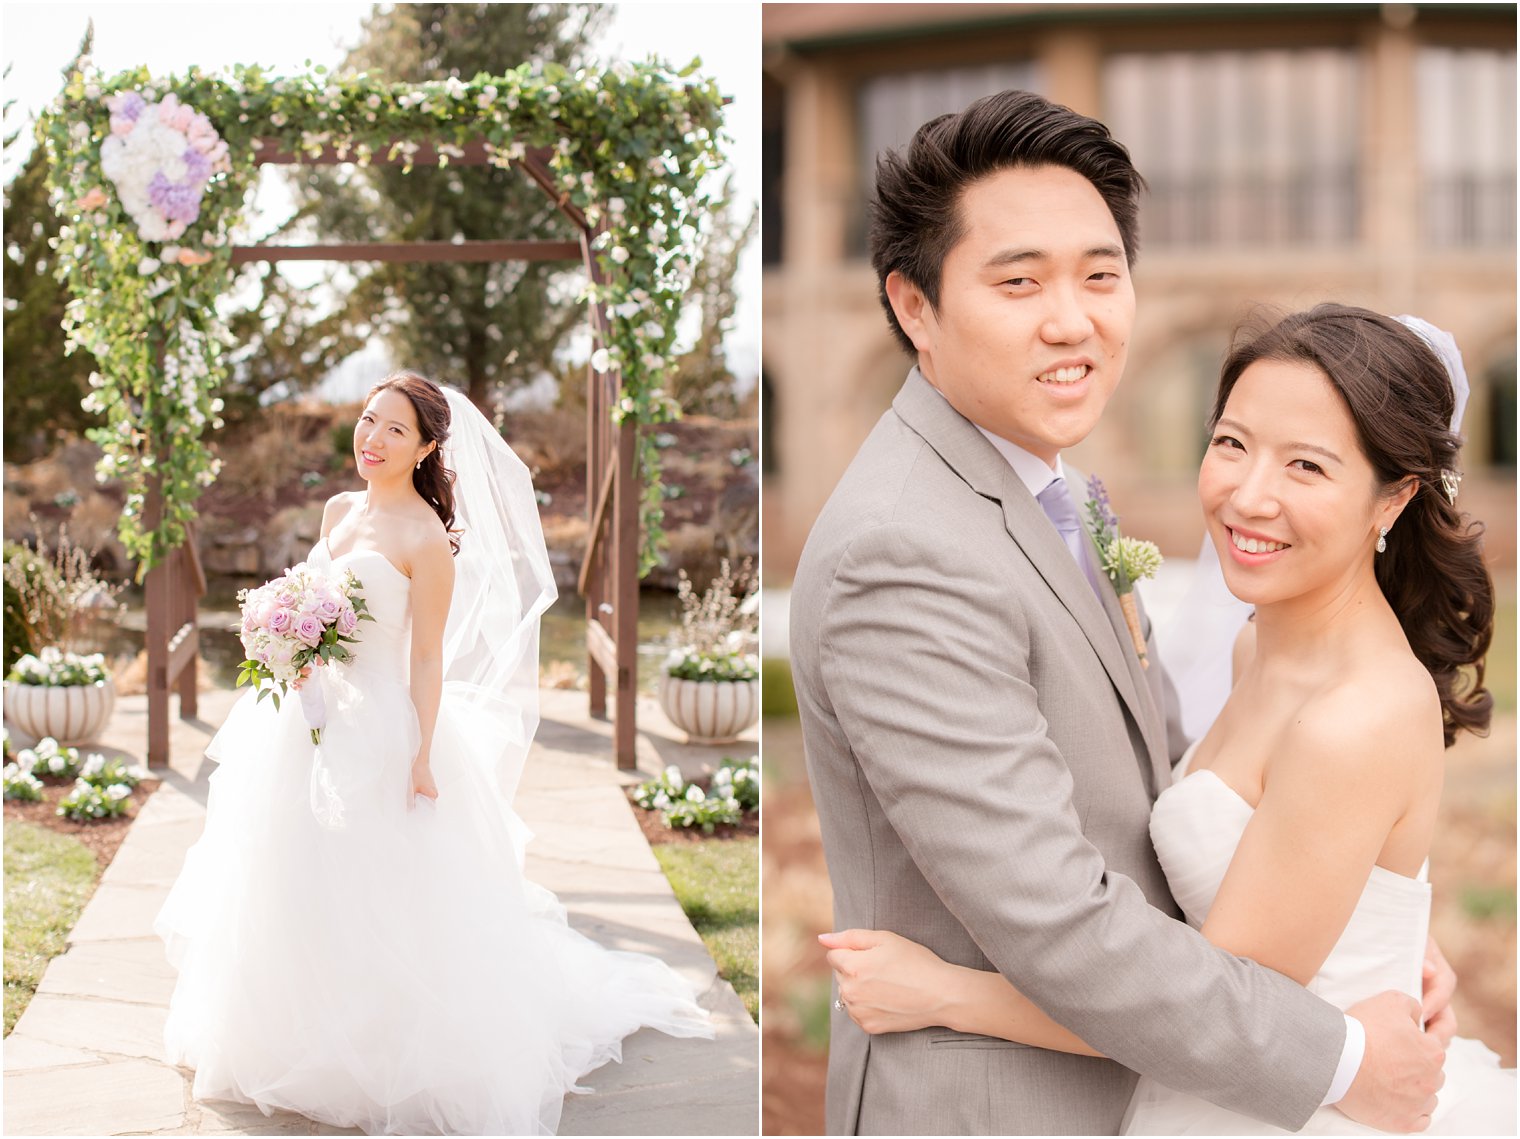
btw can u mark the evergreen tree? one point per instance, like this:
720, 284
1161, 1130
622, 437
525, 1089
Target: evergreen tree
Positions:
43, 387
482, 327
701, 380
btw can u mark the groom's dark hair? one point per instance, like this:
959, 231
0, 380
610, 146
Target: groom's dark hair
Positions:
915, 214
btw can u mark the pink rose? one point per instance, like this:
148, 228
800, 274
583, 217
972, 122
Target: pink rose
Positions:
280, 622
122, 126
202, 134
347, 622
309, 629
327, 608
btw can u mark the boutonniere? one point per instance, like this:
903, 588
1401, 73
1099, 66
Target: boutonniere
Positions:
1125, 560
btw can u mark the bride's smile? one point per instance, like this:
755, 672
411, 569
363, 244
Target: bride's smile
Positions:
1292, 502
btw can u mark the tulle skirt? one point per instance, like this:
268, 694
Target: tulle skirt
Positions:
1478, 1098
372, 964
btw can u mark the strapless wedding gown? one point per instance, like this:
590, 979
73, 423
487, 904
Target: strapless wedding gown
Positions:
376, 965
1196, 824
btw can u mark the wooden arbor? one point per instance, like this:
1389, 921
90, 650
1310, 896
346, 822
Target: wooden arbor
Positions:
609, 574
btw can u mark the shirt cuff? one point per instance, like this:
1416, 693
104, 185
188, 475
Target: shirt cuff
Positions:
1351, 1062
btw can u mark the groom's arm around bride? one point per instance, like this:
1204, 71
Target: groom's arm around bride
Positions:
983, 745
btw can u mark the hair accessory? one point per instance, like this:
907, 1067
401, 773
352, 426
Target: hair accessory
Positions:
1450, 481
1382, 545
1444, 345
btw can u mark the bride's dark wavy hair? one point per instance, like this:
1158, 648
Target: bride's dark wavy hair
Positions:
1401, 400
432, 480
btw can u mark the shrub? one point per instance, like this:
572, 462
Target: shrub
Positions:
87, 802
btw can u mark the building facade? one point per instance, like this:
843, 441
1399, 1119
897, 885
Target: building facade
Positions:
1361, 153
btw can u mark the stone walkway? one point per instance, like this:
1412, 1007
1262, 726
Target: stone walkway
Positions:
86, 1058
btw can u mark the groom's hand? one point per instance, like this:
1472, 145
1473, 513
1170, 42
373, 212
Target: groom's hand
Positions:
1395, 1088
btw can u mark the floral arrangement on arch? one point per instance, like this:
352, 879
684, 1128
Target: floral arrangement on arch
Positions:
151, 176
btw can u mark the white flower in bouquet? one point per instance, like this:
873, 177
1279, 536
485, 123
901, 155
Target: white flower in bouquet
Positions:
299, 619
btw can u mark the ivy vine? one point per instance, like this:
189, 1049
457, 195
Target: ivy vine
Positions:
630, 146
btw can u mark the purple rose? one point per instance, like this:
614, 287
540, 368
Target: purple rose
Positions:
309, 630
347, 622
279, 622
327, 607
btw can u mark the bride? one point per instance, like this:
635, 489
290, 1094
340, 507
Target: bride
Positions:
354, 938
1296, 831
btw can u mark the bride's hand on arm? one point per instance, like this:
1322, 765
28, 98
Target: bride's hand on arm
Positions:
432, 569
890, 984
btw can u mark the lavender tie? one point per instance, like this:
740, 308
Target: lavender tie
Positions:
1057, 503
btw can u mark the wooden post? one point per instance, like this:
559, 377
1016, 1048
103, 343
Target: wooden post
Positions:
159, 596
625, 588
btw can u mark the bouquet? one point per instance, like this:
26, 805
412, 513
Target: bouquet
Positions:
1124, 560
296, 620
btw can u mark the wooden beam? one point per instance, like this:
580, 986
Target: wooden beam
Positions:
182, 648
599, 645
596, 536
413, 251
536, 163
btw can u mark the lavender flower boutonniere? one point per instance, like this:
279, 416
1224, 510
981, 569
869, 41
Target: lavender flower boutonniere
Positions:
1124, 560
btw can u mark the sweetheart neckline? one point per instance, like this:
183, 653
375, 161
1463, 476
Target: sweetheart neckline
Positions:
335, 558
1244, 802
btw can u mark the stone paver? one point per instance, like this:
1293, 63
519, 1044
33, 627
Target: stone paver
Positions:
86, 1058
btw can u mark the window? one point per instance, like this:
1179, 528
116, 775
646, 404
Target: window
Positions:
1467, 146
1253, 148
890, 108
1501, 412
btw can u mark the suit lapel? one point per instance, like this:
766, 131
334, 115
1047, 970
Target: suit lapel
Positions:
965, 450
1152, 725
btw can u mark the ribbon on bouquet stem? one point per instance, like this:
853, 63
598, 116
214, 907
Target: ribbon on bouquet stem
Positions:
314, 708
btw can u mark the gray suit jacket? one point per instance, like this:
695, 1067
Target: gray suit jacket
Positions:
984, 750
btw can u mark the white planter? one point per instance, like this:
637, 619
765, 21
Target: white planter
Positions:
72, 714
710, 711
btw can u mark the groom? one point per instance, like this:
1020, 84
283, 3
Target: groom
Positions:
983, 745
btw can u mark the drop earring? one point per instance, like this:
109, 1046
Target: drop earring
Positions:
1382, 542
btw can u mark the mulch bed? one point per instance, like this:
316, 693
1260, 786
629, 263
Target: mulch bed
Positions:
102, 836
655, 830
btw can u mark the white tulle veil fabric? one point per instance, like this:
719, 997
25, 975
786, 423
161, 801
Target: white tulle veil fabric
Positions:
1198, 641
502, 585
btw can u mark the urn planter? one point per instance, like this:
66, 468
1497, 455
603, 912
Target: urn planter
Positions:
72, 714
710, 711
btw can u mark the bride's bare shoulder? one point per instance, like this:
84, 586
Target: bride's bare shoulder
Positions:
337, 506
1379, 728
424, 536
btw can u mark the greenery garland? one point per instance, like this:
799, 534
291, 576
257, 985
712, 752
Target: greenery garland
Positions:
631, 145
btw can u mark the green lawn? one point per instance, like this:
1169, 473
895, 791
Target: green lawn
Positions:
48, 879
718, 885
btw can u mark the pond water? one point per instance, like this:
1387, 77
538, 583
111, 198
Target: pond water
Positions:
561, 639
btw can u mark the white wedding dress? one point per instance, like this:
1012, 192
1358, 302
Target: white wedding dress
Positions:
372, 965
1196, 824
